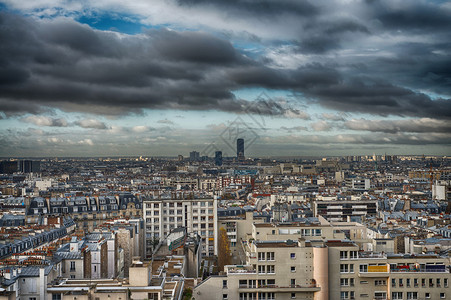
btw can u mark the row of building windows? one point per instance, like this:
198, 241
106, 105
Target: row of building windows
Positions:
269, 269
262, 256
180, 204
260, 296
348, 255
415, 282
413, 295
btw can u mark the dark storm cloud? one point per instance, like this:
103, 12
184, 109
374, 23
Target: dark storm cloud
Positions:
405, 15
195, 47
379, 97
257, 8
323, 36
64, 64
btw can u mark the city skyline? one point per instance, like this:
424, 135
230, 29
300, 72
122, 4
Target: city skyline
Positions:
114, 78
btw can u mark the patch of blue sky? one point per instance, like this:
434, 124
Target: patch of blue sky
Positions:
129, 24
3, 7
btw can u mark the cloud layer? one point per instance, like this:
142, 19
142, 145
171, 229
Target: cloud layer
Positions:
329, 73
62, 63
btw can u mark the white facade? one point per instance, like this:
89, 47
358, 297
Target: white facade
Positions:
196, 215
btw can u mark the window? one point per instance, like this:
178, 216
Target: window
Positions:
445, 282
270, 269
72, 266
293, 269
408, 282
293, 255
427, 295
242, 283
353, 254
380, 282
261, 256
415, 282
380, 295
363, 268
261, 269
344, 295
224, 297
56, 296
401, 282
344, 281
412, 295
393, 282
351, 281
293, 295
224, 284
344, 268
438, 282
343, 254
351, 268
396, 295
442, 296
270, 256
293, 282
252, 283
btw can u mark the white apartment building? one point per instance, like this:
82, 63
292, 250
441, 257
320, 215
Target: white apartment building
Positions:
303, 261
198, 216
358, 184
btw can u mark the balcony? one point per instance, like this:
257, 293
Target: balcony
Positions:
239, 270
375, 271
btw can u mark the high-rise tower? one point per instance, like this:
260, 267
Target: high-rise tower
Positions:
240, 149
218, 158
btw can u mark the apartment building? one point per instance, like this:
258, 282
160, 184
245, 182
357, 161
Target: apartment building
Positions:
87, 212
197, 215
358, 184
306, 262
334, 209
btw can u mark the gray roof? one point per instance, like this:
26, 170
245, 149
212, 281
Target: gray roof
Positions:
33, 271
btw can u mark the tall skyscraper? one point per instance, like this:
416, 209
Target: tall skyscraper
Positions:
218, 158
29, 166
240, 149
194, 156
8, 167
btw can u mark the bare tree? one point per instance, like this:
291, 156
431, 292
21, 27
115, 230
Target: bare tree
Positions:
224, 255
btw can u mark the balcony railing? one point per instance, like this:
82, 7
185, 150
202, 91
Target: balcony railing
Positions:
421, 270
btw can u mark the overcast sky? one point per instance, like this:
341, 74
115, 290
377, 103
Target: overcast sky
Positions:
291, 77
